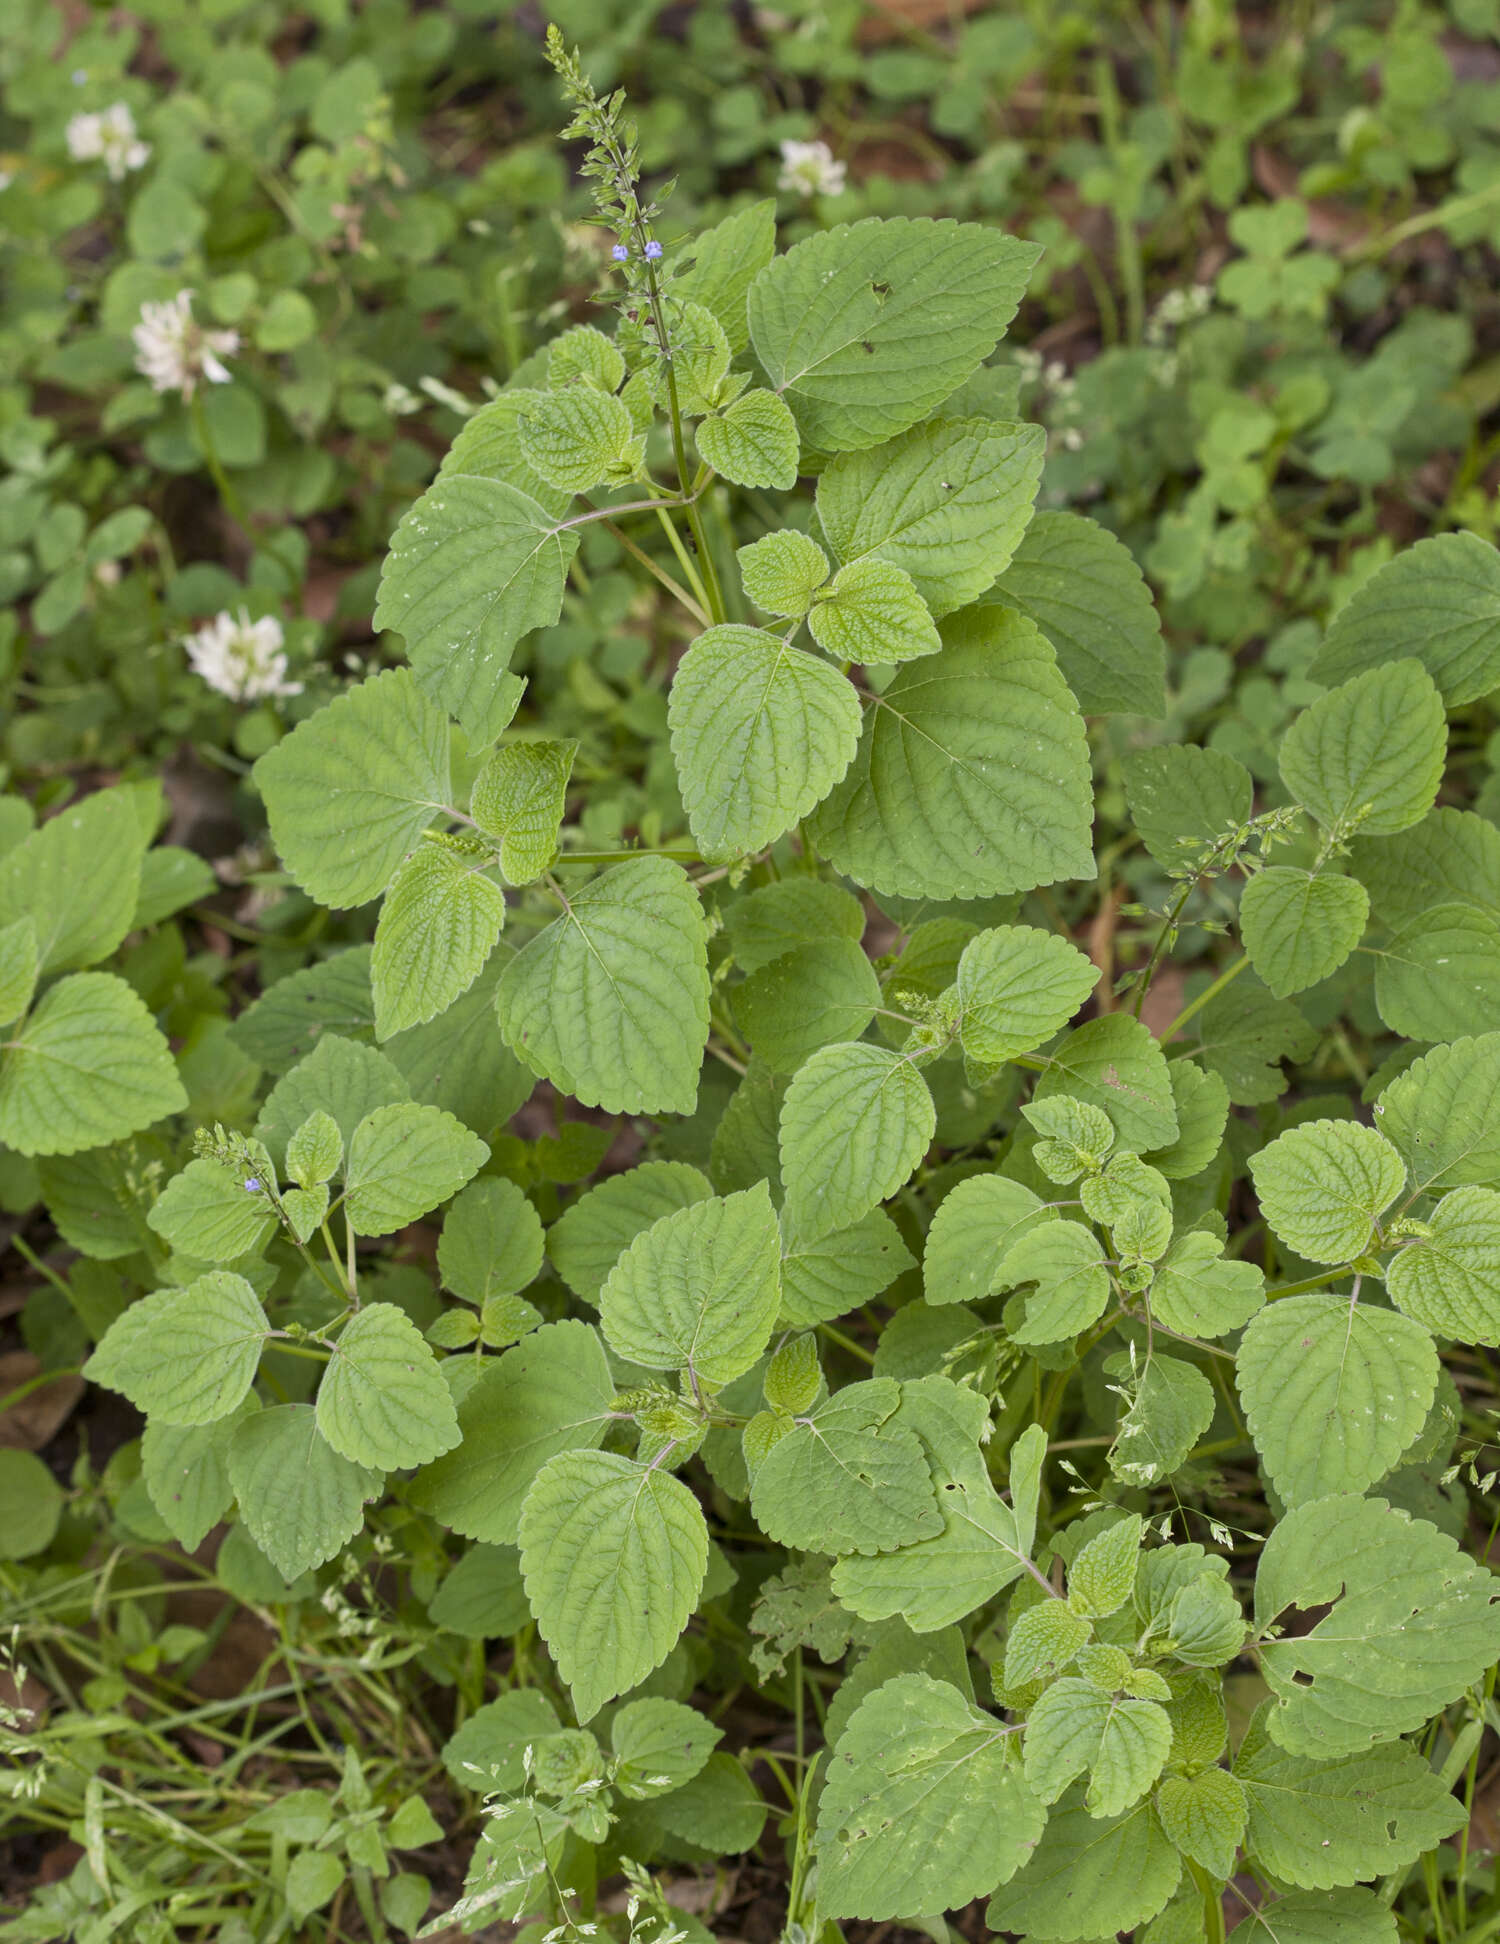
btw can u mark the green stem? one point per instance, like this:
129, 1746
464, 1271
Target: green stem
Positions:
694, 579
226, 491
1208, 993
713, 593
682, 853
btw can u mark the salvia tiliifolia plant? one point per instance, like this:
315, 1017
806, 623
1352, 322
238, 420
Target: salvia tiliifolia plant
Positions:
921, 1190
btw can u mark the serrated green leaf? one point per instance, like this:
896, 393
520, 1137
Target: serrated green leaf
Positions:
1369, 756
77, 878
1244, 1033
815, 995
722, 263
1120, 1744
794, 1376
438, 925
1439, 600
474, 565
855, 1122
1449, 1278
171, 880
186, 1356
1322, 1184
1115, 1064
1184, 801
971, 776
19, 965
1321, 1824
483, 1598
866, 327
1066, 1262
300, 1501
86, 1067
761, 732
923, 1809
488, 443
552, 1393
1172, 1406
1413, 1624
1089, 1875
1043, 1641
1450, 857
207, 1212
847, 1478
1198, 1293
352, 788
1017, 986
1298, 926
1440, 975
492, 1242
1079, 583
1204, 1817
700, 1289
976, 1226
1202, 1103
947, 503
823, 1280
1102, 1576
752, 442
339, 1077
403, 1161
871, 612
1319, 1917
1333, 1392
775, 918
659, 1745
613, 1555
186, 1469
382, 1401
720, 1812
285, 1023
610, 1002
587, 1240
459, 1062
780, 572
519, 797
575, 438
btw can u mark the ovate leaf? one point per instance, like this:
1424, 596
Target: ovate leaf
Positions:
1442, 1115
207, 1212
752, 442
1204, 1817
610, 1002
339, 1077
518, 798
1202, 1103
77, 877
351, 789
660, 1745
1199, 1292
1066, 1263
855, 1122
1439, 600
722, 263
1115, 1064
761, 732
872, 612
975, 1228
382, 1401
438, 926
1440, 975
1172, 1405
825, 1279
300, 1501
575, 438
780, 572
587, 1240
1017, 986
613, 1554
1119, 1743
87, 1067
864, 328
1089, 1876
812, 996
492, 1242
186, 1356
1323, 1183
403, 1161
186, 1469
1449, 1277
1368, 756
847, 1478
1299, 927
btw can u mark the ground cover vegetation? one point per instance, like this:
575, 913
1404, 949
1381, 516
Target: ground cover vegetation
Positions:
749, 972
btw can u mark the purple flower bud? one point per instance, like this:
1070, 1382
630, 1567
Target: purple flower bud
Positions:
620, 253
252, 1185
653, 252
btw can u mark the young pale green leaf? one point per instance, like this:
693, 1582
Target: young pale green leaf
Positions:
1043, 1641
1076, 1729
1449, 1278
780, 573
86, 1067
186, 1469
1198, 1293
1333, 1392
823, 1280
855, 1122
186, 1356
1171, 1407
1204, 1817
613, 1554
208, 1212
1323, 1183
1066, 1263
19, 965
752, 442
976, 1226
1439, 600
812, 996
1319, 1824
1115, 1064
1440, 975
1017, 986
1102, 1577
474, 565
584, 356
552, 1393
1298, 927
1413, 1623
721, 264
1079, 583
947, 503
1450, 857
610, 1002
660, 1746
847, 1478
971, 776
403, 1161
575, 438
352, 788
936, 1581
1320, 1917
1089, 1876
700, 1289
587, 1240
492, 1242
1185, 801
77, 877
1442, 1115
1369, 756
315, 1152
866, 327
340, 1078
382, 1401
761, 732
1202, 1103
518, 798
438, 925
871, 612
794, 1376
300, 1501
923, 1807
1126, 1196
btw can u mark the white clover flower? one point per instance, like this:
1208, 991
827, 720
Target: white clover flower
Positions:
241, 658
110, 138
808, 169
174, 352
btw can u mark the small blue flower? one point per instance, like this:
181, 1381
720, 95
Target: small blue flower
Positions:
653, 252
252, 1185
620, 253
